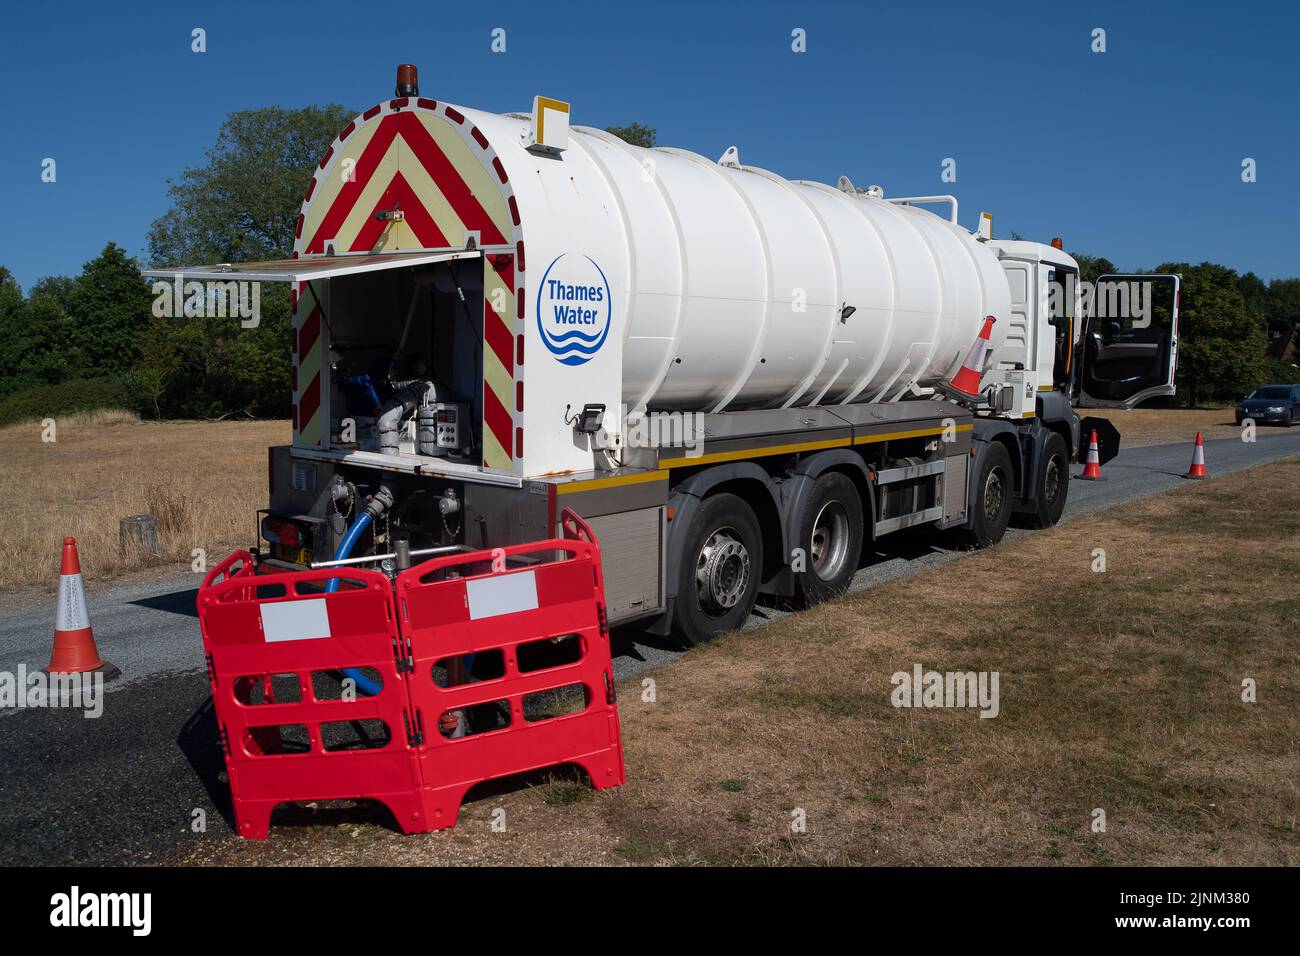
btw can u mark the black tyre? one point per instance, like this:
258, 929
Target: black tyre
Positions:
1053, 482
830, 535
722, 561
994, 486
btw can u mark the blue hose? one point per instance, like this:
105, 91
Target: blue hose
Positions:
364, 683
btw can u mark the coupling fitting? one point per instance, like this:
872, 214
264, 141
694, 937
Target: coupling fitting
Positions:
380, 502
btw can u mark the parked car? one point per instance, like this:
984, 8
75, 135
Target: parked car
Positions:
1271, 405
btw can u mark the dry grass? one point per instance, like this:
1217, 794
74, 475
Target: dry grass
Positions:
1158, 426
1120, 691
203, 481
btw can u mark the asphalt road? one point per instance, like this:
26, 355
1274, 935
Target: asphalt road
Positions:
126, 786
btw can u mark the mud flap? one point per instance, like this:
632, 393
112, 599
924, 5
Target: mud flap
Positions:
1107, 438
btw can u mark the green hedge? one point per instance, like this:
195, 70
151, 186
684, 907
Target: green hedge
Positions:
77, 395
1280, 372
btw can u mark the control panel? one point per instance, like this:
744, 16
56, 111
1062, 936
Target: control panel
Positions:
452, 428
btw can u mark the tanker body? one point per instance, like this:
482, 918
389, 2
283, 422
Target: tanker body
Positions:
736, 379
738, 289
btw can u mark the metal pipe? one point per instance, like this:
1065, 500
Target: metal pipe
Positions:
391, 413
369, 558
418, 281
923, 200
379, 503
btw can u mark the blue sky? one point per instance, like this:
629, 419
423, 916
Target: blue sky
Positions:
1134, 154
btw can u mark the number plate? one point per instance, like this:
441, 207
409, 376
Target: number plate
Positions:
293, 555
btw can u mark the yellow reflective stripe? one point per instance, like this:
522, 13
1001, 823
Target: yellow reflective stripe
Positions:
480, 178
752, 453
309, 432
310, 435
545, 103
329, 185
494, 456
802, 446
918, 433
359, 215
595, 484
432, 198
496, 378
308, 367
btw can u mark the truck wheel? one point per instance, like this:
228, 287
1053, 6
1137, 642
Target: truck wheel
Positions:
722, 561
991, 509
830, 534
1053, 482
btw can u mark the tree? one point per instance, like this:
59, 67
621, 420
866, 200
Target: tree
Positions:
48, 355
148, 381
1091, 267
58, 289
13, 324
242, 205
1254, 297
1221, 343
262, 363
108, 305
1283, 305
49, 308
634, 133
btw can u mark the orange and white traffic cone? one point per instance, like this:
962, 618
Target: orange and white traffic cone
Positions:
965, 385
1092, 465
1198, 460
74, 641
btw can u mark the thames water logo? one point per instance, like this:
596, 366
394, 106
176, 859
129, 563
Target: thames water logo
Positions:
573, 309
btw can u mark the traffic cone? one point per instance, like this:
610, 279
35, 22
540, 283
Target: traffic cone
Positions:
965, 385
74, 641
1092, 465
1198, 460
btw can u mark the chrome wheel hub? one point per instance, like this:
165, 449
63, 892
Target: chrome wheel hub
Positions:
722, 571
993, 495
1052, 479
830, 540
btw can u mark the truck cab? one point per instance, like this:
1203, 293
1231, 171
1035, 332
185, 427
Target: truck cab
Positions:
1111, 343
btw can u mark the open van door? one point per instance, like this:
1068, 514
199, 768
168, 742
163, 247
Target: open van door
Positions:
1129, 348
364, 326
305, 269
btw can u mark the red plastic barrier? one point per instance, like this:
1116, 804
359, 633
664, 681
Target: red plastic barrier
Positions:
241, 561
256, 626
537, 634
513, 635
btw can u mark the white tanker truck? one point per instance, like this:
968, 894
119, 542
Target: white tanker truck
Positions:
738, 380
